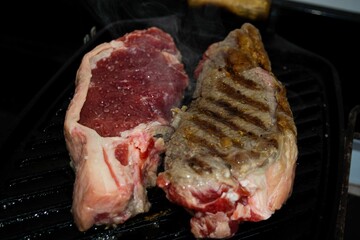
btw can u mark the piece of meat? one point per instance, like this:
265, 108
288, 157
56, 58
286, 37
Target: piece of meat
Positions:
232, 157
251, 9
116, 123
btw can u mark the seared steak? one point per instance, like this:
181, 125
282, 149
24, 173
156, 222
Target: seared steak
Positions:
232, 157
116, 123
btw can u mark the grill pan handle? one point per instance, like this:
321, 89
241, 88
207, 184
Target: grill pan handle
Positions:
349, 136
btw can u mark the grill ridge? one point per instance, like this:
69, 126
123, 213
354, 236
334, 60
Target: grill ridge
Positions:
51, 185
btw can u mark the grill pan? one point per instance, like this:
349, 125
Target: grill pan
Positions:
37, 181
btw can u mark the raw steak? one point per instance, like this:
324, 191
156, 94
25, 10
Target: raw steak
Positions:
116, 123
232, 157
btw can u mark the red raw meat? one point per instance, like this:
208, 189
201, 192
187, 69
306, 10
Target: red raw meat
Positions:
116, 123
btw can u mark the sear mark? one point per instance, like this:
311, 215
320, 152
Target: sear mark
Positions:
235, 94
241, 114
199, 166
235, 77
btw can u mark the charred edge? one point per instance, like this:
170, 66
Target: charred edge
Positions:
199, 166
284, 113
283, 105
285, 123
241, 79
207, 126
249, 41
212, 128
203, 142
232, 110
239, 60
224, 120
238, 96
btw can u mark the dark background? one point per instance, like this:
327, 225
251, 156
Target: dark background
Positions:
37, 38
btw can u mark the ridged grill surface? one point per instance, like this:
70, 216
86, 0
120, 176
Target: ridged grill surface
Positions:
37, 195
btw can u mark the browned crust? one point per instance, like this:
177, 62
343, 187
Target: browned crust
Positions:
284, 114
225, 118
250, 51
252, 9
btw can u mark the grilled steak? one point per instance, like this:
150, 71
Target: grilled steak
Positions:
232, 157
116, 123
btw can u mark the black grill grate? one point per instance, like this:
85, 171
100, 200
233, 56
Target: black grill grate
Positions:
36, 194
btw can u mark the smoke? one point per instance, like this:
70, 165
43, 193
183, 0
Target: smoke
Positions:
193, 29
109, 11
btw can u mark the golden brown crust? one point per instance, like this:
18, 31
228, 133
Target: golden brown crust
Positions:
250, 51
285, 119
238, 132
251, 9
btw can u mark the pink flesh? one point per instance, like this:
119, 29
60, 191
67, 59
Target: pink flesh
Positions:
132, 87
140, 80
